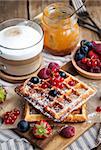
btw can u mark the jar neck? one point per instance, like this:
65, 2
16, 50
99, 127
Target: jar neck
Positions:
58, 15
60, 23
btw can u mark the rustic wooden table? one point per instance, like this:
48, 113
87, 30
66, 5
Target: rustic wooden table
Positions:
30, 8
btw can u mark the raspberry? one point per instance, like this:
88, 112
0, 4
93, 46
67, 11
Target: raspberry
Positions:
98, 109
54, 67
44, 73
67, 132
92, 54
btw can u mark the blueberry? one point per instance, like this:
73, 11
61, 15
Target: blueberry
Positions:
83, 42
62, 74
53, 93
89, 45
23, 126
79, 56
84, 49
1, 121
34, 80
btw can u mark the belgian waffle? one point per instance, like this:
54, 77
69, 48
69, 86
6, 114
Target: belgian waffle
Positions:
78, 115
59, 107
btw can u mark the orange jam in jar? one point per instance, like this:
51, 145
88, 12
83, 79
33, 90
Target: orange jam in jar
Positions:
61, 31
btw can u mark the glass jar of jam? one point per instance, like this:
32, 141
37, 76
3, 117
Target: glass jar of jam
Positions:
61, 31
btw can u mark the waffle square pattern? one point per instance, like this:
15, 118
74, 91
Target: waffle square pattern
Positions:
56, 102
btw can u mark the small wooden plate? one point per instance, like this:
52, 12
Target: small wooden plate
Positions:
95, 76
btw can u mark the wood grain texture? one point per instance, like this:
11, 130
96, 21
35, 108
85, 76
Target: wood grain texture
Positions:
40, 5
13, 9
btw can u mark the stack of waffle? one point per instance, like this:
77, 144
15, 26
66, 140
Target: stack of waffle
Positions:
68, 105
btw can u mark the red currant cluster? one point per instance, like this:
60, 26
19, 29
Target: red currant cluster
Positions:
91, 62
11, 116
88, 57
54, 76
98, 109
57, 80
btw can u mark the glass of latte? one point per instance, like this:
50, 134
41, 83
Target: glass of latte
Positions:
21, 44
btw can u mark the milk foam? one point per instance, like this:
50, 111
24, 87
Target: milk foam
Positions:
19, 36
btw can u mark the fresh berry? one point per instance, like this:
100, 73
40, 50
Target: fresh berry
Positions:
61, 79
84, 60
1, 121
42, 129
3, 94
44, 85
82, 43
71, 83
92, 54
23, 126
94, 62
7, 121
34, 80
84, 49
54, 66
16, 112
98, 109
62, 74
44, 73
79, 56
67, 132
12, 121
97, 48
57, 74
89, 45
61, 86
89, 63
10, 117
53, 93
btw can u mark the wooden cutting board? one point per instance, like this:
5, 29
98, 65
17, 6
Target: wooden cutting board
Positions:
54, 141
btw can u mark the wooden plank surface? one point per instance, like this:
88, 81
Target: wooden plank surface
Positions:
30, 8
13, 9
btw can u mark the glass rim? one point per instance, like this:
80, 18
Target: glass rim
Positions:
58, 4
22, 19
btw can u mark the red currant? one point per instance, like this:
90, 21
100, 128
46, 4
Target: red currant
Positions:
57, 74
71, 83
6, 116
16, 112
44, 86
7, 121
84, 60
98, 109
89, 63
12, 121
14, 117
61, 79
61, 86
94, 62
8, 112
